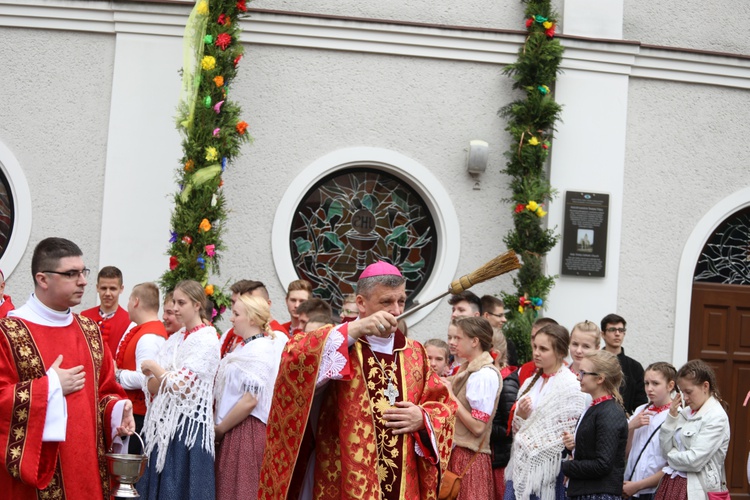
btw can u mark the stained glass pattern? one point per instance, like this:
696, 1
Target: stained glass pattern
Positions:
353, 218
726, 256
6, 213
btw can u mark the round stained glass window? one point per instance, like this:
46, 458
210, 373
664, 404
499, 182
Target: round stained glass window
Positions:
353, 218
6, 213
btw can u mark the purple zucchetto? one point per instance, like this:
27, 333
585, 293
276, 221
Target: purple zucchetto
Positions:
380, 268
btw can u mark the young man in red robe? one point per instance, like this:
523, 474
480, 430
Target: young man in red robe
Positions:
142, 342
357, 412
53, 365
6, 305
297, 292
112, 319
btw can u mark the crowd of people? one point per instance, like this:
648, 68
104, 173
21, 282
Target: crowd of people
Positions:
337, 404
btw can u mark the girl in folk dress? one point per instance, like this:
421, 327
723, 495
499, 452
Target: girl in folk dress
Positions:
178, 428
598, 448
549, 404
645, 459
694, 439
501, 438
243, 393
476, 388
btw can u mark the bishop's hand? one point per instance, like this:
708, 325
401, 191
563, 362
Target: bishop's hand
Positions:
379, 324
404, 418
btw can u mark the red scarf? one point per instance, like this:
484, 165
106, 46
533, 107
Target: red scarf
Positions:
602, 399
193, 330
658, 409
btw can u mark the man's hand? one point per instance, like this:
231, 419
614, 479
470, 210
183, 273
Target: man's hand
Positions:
379, 324
406, 417
127, 426
71, 380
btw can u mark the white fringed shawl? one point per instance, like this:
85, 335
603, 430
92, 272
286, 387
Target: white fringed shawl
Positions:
252, 367
537, 441
184, 404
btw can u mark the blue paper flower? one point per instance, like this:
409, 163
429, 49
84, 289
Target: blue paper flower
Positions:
201, 262
173, 237
223, 163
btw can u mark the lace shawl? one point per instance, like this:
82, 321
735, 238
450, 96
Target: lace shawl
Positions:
183, 407
254, 366
537, 441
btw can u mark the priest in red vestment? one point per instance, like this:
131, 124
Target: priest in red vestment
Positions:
357, 413
6, 305
142, 342
53, 365
112, 319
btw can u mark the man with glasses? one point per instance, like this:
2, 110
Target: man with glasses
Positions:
53, 364
493, 310
632, 388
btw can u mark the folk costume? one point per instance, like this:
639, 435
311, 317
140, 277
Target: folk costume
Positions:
534, 467
112, 325
251, 368
344, 450
44, 456
6, 306
179, 426
142, 342
645, 457
477, 386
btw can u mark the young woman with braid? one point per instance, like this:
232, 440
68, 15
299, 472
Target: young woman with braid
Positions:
502, 436
475, 388
598, 445
548, 405
694, 439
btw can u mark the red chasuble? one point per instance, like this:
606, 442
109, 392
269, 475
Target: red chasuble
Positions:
113, 328
6, 307
126, 358
73, 469
356, 455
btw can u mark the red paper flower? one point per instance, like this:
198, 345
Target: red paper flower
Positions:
241, 6
241, 128
223, 19
173, 263
529, 22
520, 208
550, 32
237, 60
187, 239
223, 41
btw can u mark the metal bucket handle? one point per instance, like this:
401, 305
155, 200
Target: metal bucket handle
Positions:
143, 445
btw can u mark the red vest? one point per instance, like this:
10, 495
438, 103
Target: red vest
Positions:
113, 328
129, 344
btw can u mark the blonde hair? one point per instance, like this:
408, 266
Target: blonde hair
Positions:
608, 367
257, 309
500, 345
589, 327
197, 295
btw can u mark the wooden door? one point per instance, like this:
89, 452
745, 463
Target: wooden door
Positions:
720, 335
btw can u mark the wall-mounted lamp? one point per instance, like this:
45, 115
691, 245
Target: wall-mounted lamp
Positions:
476, 158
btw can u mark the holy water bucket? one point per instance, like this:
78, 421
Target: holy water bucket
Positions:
124, 471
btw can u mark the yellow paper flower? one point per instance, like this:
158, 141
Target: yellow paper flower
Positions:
211, 154
205, 226
209, 289
203, 8
534, 141
520, 309
540, 212
547, 25
532, 205
208, 63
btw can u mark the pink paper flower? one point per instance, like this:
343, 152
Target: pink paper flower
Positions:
210, 250
217, 107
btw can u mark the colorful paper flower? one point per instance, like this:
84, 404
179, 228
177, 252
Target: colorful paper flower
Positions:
223, 163
202, 8
237, 60
211, 154
533, 141
172, 236
223, 19
222, 309
214, 313
547, 25
217, 107
208, 63
210, 250
241, 127
209, 289
540, 19
223, 41
540, 212
201, 262
187, 239
545, 144
520, 309
189, 165
529, 22
173, 263
241, 6
216, 131
208, 39
543, 89
532, 205
207, 101
219, 81
520, 208
205, 226
550, 32
537, 301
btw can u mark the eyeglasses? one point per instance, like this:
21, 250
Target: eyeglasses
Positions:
612, 329
496, 315
582, 374
72, 274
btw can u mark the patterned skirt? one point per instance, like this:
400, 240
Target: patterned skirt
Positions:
477, 482
188, 474
672, 488
498, 475
510, 493
597, 496
238, 460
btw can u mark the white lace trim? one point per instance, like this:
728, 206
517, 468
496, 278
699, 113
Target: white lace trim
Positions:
332, 361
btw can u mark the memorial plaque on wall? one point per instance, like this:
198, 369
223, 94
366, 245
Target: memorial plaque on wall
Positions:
585, 234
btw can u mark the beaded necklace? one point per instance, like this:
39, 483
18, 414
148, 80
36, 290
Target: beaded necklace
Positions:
193, 330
